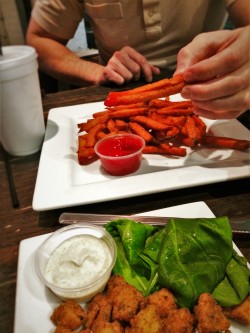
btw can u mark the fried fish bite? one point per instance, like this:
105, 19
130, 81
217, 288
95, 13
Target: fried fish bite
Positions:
99, 309
126, 299
106, 327
146, 321
178, 321
209, 315
115, 281
61, 329
164, 301
69, 315
240, 313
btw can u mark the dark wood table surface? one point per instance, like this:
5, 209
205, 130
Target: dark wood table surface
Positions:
230, 198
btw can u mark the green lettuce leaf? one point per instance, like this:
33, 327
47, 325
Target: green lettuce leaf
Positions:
135, 266
194, 256
234, 288
187, 256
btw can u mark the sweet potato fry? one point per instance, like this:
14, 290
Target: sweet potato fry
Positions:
159, 103
127, 106
163, 136
169, 120
189, 142
93, 122
172, 150
171, 132
170, 111
91, 137
128, 113
141, 131
82, 141
160, 136
85, 160
100, 135
143, 96
162, 88
111, 125
190, 130
149, 123
159, 84
225, 142
164, 149
86, 152
100, 114
200, 126
121, 124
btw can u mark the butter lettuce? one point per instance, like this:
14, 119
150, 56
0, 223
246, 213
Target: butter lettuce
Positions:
234, 288
188, 256
131, 239
193, 257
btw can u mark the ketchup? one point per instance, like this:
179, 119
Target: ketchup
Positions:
120, 146
120, 154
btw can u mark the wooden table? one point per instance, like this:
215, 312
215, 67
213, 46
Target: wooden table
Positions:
229, 198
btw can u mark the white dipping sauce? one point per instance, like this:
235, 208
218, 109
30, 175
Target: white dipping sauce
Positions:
78, 262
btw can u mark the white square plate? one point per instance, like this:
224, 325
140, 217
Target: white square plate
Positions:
35, 303
62, 182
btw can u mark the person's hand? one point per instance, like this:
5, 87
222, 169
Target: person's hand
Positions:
128, 65
216, 68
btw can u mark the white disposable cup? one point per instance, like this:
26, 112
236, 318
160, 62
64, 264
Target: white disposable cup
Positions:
22, 125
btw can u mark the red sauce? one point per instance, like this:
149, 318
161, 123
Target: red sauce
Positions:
124, 146
120, 146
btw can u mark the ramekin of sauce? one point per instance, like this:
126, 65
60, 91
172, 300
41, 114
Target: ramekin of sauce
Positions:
120, 154
76, 261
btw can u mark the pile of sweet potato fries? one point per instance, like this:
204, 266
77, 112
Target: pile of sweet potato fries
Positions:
167, 127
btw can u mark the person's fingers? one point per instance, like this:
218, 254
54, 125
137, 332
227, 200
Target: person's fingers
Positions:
230, 55
128, 65
137, 64
228, 107
238, 101
219, 87
217, 114
202, 47
149, 71
222, 63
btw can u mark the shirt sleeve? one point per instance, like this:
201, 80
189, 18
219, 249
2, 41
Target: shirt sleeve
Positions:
58, 17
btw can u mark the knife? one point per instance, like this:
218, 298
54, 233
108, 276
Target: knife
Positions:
239, 227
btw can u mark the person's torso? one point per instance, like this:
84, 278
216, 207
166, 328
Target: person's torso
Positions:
158, 29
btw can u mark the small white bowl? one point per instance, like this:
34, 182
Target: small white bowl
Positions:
87, 250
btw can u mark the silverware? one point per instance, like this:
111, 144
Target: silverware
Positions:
101, 219
241, 227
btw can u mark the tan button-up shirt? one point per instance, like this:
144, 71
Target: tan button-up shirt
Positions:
156, 28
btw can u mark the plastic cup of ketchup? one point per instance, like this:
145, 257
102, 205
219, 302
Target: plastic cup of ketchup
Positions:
120, 154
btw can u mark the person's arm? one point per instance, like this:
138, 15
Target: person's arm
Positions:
216, 68
59, 62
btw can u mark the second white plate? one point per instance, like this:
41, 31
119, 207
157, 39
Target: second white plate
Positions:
35, 303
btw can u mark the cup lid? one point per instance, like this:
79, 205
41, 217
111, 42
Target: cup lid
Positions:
16, 55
